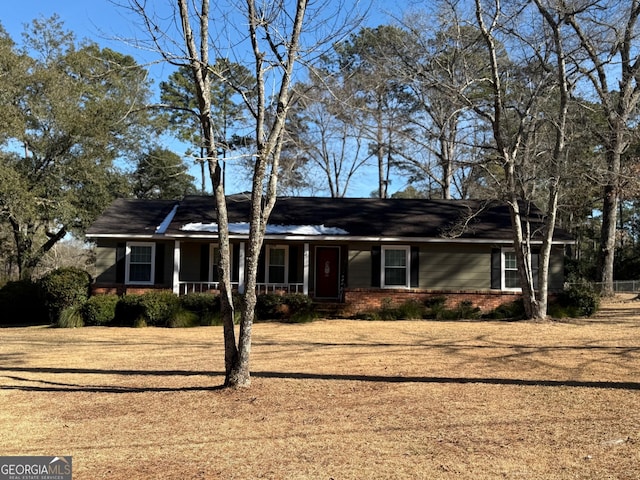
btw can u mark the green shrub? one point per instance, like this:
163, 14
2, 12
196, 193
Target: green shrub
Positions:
100, 310
387, 310
580, 298
508, 311
269, 306
152, 309
411, 310
300, 308
556, 310
129, 311
70, 317
466, 311
436, 308
183, 318
291, 307
64, 287
21, 303
159, 307
204, 305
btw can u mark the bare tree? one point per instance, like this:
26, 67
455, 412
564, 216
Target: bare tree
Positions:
377, 100
518, 119
272, 43
609, 57
444, 60
328, 139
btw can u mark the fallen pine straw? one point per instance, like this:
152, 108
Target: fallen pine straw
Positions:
332, 399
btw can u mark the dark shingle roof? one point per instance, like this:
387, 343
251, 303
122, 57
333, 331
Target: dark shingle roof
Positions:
359, 217
132, 217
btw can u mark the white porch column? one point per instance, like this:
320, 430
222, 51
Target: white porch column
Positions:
305, 286
241, 269
176, 267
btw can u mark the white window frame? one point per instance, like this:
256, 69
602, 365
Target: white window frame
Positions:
268, 263
407, 281
534, 258
128, 262
503, 270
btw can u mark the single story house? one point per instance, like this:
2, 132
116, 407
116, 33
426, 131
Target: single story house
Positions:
356, 253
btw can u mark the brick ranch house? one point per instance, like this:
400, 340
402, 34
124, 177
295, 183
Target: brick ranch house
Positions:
356, 253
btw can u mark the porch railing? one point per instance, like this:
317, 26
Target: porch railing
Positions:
280, 288
198, 287
209, 287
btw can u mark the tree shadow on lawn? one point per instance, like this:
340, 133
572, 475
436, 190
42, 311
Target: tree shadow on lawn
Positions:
52, 386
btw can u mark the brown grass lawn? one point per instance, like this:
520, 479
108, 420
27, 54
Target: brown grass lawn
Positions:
332, 400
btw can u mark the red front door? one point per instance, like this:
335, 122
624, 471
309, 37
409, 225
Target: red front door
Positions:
327, 272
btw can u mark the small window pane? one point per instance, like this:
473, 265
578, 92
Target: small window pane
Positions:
395, 258
510, 261
276, 274
276, 256
140, 254
511, 279
139, 272
395, 276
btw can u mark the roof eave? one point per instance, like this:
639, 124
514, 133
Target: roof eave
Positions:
325, 238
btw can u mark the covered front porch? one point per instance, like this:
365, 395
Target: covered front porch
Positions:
284, 267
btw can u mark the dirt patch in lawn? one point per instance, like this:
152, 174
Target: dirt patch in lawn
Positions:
332, 399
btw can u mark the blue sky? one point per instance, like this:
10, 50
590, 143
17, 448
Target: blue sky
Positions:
101, 21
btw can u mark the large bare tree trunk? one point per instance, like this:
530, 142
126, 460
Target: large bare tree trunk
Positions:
608, 36
510, 148
274, 31
198, 53
269, 135
606, 256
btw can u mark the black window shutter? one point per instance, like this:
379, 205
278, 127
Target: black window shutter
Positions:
204, 263
496, 263
121, 262
261, 265
344, 267
159, 264
535, 265
376, 258
415, 267
293, 263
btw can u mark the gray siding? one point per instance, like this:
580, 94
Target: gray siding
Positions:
441, 267
447, 267
106, 268
359, 265
455, 267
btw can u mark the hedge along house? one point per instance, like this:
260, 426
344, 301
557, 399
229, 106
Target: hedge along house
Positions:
356, 253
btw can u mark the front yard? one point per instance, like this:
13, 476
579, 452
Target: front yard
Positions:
332, 399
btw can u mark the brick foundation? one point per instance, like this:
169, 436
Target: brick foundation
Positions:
124, 289
367, 300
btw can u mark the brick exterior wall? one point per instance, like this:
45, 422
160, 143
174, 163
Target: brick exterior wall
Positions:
366, 300
124, 289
